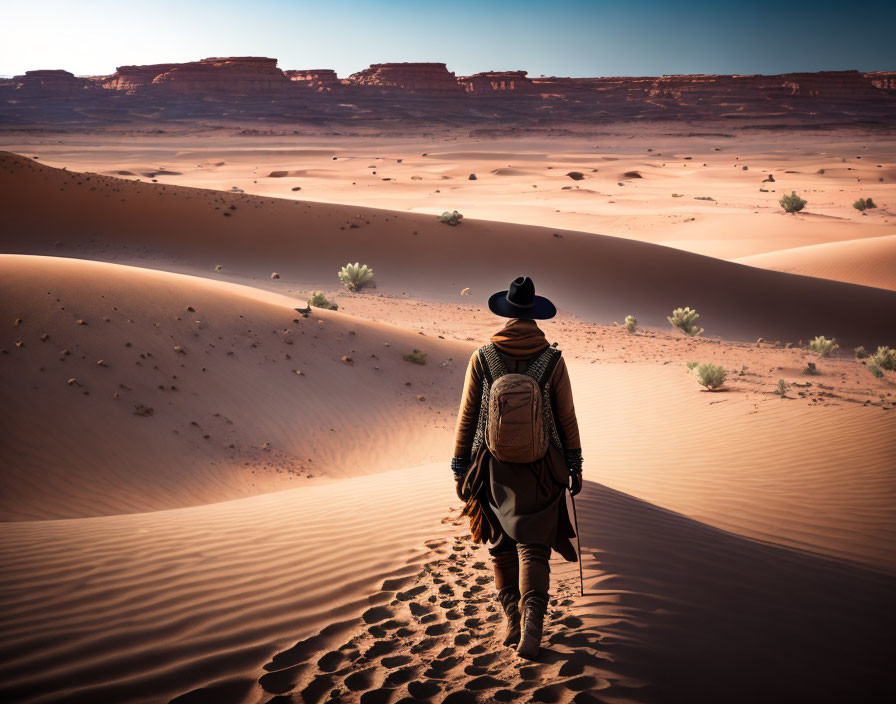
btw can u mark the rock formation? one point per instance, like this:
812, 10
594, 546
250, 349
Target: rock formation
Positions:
883, 80
319, 79
491, 83
244, 75
433, 79
427, 93
134, 79
49, 82
831, 84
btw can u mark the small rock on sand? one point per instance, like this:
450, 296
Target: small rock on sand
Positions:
275, 275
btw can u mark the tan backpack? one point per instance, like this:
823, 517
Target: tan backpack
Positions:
517, 423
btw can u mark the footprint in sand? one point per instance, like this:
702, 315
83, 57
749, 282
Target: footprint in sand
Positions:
439, 640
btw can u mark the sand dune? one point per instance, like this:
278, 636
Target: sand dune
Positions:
750, 463
230, 416
673, 611
595, 277
743, 218
143, 607
868, 262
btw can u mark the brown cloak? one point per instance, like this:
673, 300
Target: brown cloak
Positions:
524, 500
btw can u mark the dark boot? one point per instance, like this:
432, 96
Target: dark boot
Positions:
535, 605
507, 582
510, 601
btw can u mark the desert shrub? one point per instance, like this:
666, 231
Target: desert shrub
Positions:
685, 320
319, 300
863, 204
875, 370
711, 376
415, 357
691, 365
355, 276
823, 347
631, 323
811, 370
451, 218
792, 203
782, 388
885, 358
861, 352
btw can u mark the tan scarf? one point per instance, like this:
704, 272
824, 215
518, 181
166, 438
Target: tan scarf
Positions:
520, 337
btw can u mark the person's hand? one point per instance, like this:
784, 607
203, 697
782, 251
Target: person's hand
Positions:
575, 483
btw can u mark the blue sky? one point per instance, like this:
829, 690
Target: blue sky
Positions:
564, 37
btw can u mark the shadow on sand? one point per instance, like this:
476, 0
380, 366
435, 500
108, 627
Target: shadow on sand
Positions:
703, 615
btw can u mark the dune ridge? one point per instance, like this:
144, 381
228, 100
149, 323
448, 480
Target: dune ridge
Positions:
867, 262
598, 278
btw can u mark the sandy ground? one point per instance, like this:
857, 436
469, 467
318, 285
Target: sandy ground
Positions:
269, 536
642, 183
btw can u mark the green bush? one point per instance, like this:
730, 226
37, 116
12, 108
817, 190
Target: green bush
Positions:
792, 203
810, 369
415, 357
885, 358
691, 365
631, 323
319, 300
685, 320
875, 370
355, 276
451, 218
863, 204
861, 352
823, 347
782, 388
711, 376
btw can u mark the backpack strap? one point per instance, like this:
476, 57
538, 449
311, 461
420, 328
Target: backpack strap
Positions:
494, 366
543, 366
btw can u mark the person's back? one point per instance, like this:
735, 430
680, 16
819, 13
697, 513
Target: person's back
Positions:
517, 449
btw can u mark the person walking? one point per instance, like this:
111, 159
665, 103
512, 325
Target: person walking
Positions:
517, 450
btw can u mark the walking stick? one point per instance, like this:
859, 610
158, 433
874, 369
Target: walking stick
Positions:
575, 521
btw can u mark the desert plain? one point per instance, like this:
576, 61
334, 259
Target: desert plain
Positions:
211, 495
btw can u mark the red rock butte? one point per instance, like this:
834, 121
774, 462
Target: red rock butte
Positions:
429, 78
490, 83
319, 79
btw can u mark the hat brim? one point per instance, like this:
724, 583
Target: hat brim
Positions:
541, 309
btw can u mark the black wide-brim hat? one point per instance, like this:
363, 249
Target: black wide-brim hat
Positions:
520, 301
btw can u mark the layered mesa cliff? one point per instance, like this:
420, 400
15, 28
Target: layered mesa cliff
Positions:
429, 78
250, 83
